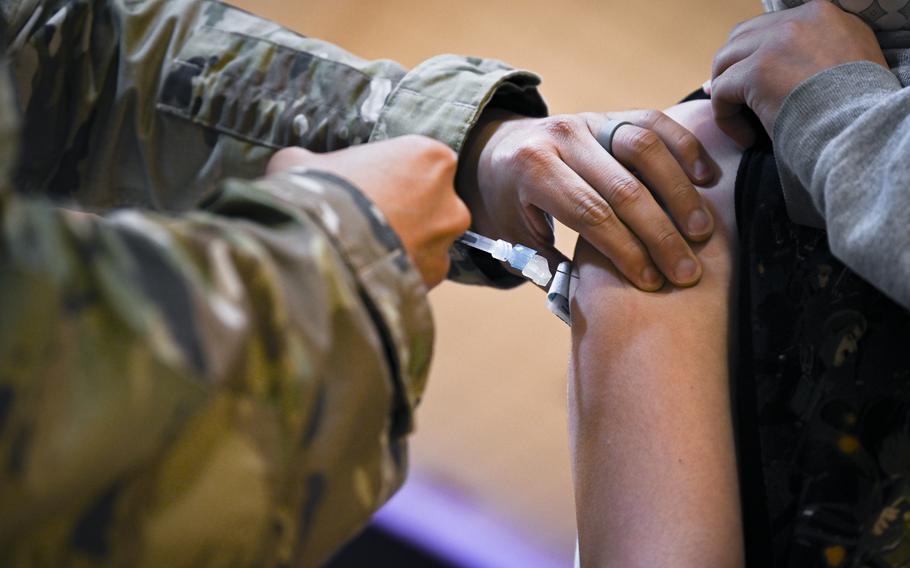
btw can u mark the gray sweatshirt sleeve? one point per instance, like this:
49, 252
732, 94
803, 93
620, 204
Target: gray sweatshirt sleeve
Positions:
842, 141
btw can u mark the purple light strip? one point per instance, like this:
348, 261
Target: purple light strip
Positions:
460, 531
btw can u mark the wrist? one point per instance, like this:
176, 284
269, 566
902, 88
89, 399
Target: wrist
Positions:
473, 165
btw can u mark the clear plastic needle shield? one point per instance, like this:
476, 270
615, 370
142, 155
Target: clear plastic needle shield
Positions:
526, 260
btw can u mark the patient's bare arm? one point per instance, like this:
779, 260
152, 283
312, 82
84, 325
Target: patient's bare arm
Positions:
649, 404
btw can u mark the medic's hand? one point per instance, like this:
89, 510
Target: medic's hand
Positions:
411, 180
769, 56
514, 169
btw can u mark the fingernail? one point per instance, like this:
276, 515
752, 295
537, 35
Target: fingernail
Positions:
699, 222
686, 270
651, 278
706, 87
702, 170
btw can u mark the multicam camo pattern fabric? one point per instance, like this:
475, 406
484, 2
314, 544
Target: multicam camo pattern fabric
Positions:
228, 383
882, 15
824, 391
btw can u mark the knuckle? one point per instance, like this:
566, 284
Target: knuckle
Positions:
439, 152
715, 63
288, 158
530, 156
461, 217
633, 256
790, 30
737, 30
688, 144
823, 7
651, 116
590, 209
291, 151
668, 238
562, 126
436, 272
624, 193
292, 154
441, 161
681, 190
643, 142
721, 60
447, 157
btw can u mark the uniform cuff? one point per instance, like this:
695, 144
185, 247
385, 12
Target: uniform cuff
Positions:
444, 96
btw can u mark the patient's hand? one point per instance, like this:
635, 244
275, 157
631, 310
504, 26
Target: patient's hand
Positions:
767, 57
649, 401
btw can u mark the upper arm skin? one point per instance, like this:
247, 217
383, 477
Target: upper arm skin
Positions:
651, 429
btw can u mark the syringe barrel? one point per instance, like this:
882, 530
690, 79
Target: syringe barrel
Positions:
498, 249
478, 241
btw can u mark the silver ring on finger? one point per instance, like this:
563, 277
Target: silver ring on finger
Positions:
608, 132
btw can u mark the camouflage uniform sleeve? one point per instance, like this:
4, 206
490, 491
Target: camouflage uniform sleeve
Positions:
214, 388
153, 102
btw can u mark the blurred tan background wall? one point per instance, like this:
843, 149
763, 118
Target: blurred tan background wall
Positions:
493, 423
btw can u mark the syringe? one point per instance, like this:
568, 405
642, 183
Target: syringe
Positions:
532, 266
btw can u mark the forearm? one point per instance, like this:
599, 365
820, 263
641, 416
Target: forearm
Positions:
165, 98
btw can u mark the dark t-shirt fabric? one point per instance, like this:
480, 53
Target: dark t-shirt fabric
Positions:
822, 390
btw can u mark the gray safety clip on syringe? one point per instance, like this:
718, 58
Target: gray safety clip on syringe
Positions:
532, 266
560, 291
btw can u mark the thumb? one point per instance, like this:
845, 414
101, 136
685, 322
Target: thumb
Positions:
728, 100
289, 158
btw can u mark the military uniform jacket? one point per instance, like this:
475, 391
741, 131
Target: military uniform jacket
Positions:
197, 369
